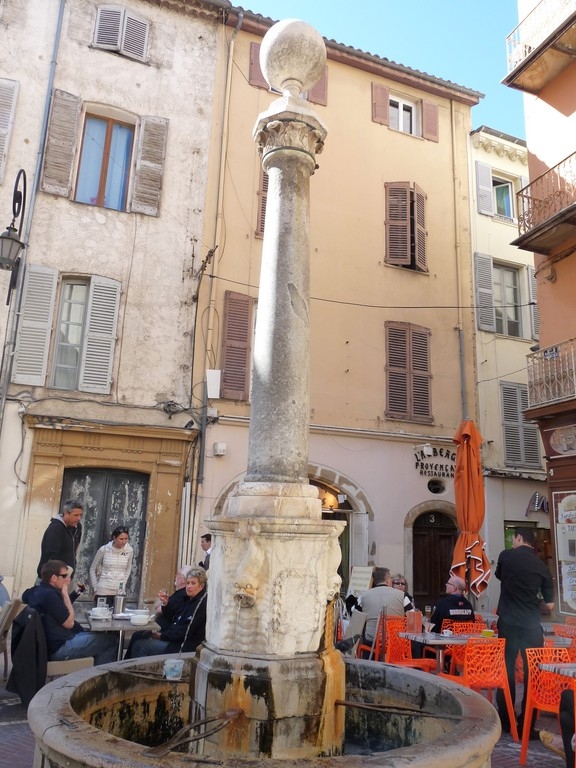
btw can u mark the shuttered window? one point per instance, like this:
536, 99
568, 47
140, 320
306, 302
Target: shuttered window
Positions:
118, 29
262, 198
405, 221
408, 376
485, 313
8, 98
318, 94
521, 439
236, 345
418, 118
534, 311
484, 194
85, 336
133, 182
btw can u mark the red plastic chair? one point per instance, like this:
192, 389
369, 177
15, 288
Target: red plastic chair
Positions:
399, 649
571, 620
374, 651
456, 652
544, 688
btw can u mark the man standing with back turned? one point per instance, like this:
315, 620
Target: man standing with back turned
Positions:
62, 537
525, 581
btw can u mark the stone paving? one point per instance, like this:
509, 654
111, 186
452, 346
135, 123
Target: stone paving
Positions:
17, 742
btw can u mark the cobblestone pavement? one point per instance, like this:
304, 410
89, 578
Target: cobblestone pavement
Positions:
17, 742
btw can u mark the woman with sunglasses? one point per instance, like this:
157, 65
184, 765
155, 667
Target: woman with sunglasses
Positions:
110, 569
400, 582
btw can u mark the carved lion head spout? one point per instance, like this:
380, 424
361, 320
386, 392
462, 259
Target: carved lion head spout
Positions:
245, 595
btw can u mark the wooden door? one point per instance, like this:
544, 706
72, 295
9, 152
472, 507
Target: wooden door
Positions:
111, 498
434, 536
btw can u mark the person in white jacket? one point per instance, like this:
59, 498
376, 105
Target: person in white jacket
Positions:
110, 569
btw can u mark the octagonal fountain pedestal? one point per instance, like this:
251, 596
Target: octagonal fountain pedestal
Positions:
114, 714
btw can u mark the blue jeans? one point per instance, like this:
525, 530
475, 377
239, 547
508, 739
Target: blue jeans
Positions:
103, 646
146, 646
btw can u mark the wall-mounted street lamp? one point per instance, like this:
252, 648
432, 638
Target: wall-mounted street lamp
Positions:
10, 243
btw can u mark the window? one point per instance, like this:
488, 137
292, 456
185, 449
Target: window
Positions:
236, 345
408, 391
495, 192
262, 198
521, 441
8, 97
405, 222
121, 158
118, 29
416, 117
85, 336
501, 290
104, 163
318, 94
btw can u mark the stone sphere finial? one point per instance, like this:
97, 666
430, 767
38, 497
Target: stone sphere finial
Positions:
292, 56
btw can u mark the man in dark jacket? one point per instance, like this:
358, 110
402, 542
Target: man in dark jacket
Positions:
525, 581
188, 627
62, 537
454, 606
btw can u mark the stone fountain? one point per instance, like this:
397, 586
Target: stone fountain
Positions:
268, 671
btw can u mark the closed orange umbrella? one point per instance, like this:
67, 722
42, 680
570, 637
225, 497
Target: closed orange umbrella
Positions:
469, 560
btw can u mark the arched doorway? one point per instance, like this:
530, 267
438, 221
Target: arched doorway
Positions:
433, 537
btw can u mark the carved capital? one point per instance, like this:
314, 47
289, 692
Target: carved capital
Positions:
290, 134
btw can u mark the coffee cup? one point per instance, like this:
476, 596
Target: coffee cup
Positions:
447, 632
173, 669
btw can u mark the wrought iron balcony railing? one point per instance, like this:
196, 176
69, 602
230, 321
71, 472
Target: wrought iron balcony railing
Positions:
552, 374
541, 22
549, 194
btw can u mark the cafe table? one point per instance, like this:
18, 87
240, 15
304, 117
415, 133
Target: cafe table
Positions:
563, 668
119, 623
437, 640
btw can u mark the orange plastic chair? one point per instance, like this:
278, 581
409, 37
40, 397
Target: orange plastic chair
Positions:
544, 688
457, 652
571, 620
398, 650
374, 651
565, 630
485, 669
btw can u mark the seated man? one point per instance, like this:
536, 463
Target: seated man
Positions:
65, 638
454, 606
381, 595
168, 607
187, 629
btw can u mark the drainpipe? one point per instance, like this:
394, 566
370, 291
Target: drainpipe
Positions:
214, 271
459, 327
13, 328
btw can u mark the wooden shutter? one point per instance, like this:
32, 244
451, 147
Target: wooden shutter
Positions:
484, 194
534, 310
149, 171
8, 98
134, 40
99, 336
521, 440
421, 407
485, 312
61, 139
108, 27
318, 94
236, 345
397, 338
36, 315
380, 104
430, 128
397, 222
262, 198
255, 76
420, 229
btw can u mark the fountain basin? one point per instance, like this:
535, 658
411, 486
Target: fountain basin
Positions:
110, 715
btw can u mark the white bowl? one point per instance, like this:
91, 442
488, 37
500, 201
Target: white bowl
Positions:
140, 612
139, 619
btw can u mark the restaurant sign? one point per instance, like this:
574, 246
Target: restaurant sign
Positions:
433, 461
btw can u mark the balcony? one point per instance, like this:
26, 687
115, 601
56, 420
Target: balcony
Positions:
552, 374
547, 211
542, 45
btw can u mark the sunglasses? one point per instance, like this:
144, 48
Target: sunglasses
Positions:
399, 583
62, 575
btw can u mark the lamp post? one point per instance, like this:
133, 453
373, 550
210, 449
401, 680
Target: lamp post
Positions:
10, 243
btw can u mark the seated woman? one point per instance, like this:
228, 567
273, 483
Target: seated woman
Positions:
400, 582
187, 629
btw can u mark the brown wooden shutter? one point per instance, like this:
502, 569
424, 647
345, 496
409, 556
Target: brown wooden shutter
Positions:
262, 197
430, 128
421, 407
236, 345
255, 76
397, 222
396, 370
150, 159
319, 93
61, 139
380, 104
420, 229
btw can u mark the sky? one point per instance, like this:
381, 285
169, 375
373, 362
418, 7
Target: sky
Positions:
457, 40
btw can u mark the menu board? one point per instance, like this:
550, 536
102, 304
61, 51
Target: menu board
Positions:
360, 579
564, 506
